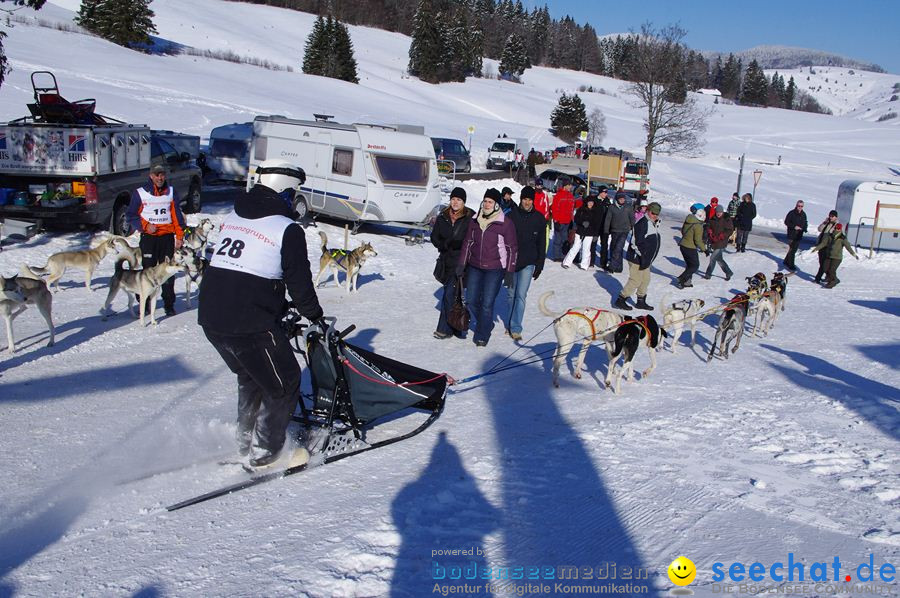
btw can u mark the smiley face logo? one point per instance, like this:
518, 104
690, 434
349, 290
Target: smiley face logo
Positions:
682, 571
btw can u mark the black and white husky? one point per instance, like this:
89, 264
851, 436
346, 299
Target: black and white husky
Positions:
629, 336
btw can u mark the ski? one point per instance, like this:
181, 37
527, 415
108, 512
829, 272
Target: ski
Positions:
283, 473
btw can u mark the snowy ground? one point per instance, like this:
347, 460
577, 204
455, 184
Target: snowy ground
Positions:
790, 447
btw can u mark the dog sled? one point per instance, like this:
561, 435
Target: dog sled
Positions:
354, 391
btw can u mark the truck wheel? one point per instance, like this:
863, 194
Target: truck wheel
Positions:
301, 207
119, 224
192, 202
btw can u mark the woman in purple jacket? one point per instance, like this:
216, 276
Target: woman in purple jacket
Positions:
488, 252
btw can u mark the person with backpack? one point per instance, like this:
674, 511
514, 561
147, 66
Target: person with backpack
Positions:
826, 228
743, 222
617, 224
447, 235
691, 243
834, 246
587, 227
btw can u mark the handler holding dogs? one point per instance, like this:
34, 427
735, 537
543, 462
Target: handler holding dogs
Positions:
260, 251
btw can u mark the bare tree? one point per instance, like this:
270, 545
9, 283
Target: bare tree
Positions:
596, 127
671, 126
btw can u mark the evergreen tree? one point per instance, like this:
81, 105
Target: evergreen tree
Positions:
756, 87
789, 93
715, 76
426, 51
569, 118
342, 48
127, 23
514, 60
314, 51
677, 91
731, 78
776, 91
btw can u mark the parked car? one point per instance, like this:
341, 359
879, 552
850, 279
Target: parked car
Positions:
550, 176
454, 151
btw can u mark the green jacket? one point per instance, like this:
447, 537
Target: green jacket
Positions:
834, 244
692, 233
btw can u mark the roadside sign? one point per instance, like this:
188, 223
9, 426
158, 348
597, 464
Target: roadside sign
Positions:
757, 174
583, 135
471, 130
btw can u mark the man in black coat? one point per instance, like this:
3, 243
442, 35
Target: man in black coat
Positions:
796, 224
531, 235
447, 236
743, 222
261, 252
643, 250
602, 206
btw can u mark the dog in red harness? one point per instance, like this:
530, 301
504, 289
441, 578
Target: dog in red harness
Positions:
580, 325
628, 337
731, 326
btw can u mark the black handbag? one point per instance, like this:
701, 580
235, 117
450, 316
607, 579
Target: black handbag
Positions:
440, 270
458, 318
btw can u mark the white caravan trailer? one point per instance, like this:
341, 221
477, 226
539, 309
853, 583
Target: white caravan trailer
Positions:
360, 173
856, 203
229, 151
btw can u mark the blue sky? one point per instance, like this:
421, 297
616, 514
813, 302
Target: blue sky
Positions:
867, 30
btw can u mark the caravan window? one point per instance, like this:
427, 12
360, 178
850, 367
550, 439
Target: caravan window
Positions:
342, 162
228, 148
402, 171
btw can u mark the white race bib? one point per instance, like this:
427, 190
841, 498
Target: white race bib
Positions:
157, 208
251, 246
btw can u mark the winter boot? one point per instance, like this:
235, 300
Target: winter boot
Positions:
620, 304
642, 303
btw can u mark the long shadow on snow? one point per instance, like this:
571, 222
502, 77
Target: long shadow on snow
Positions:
556, 509
891, 305
868, 398
889, 355
442, 510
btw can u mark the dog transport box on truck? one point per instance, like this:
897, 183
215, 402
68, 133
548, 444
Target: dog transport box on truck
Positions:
614, 171
497, 153
68, 165
229, 151
359, 173
857, 204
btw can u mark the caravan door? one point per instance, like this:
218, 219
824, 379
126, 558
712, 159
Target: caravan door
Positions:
323, 168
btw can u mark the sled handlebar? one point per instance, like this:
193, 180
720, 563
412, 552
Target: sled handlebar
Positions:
347, 331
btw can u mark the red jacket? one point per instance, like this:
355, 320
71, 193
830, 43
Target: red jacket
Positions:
564, 206
541, 204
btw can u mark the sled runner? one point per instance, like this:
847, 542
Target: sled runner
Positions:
354, 390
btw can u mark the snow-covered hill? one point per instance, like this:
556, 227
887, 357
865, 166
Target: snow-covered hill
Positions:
859, 94
789, 57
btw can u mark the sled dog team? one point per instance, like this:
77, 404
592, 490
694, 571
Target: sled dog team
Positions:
623, 335
141, 285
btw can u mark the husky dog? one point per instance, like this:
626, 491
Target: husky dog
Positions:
627, 339
16, 294
779, 285
86, 259
195, 237
350, 262
194, 266
731, 326
143, 283
677, 315
581, 324
132, 255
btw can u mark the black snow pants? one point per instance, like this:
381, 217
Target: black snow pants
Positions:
268, 385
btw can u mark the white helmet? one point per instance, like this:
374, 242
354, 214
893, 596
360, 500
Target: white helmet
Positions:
279, 175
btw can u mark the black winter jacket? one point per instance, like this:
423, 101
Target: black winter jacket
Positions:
795, 218
645, 243
448, 238
234, 302
531, 236
588, 222
745, 214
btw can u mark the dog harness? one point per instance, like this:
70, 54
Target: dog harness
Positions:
642, 320
590, 321
339, 256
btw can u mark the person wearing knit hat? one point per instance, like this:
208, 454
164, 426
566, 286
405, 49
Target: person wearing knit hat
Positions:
488, 251
825, 229
834, 245
531, 231
720, 229
642, 250
562, 210
690, 245
506, 201
447, 235
587, 228
617, 223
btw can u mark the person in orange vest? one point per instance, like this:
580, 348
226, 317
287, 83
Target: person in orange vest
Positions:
155, 210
